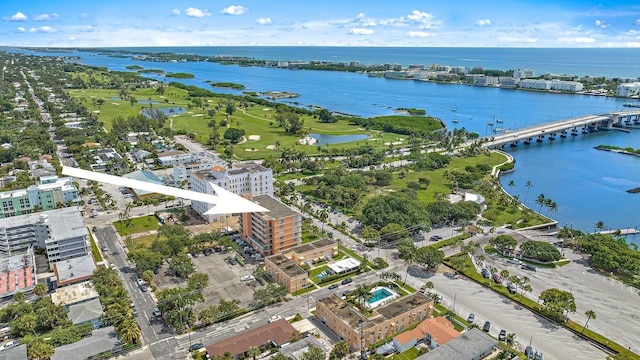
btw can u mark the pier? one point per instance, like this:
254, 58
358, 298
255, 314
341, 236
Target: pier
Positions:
565, 128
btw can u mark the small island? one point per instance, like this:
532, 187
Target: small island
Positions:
617, 149
153, 71
410, 111
274, 95
180, 75
134, 67
226, 85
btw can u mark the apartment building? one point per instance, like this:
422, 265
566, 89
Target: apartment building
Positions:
285, 272
184, 172
61, 233
271, 232
360, 331
47, 194
171, 158
524, 73
628, 90
242, 179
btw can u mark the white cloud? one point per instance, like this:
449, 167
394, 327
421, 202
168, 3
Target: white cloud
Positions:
637, 22
72, 38
234, 10
511, 39
21, 29
16, 17
426, 19
194, 12
263, 21
420, 34
175, 12
602, 24
577, 40
359, 31
362, 16
46, 17
42, 29
83, 16
483, 22
88, 28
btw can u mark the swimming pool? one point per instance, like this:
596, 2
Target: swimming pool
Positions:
381, 295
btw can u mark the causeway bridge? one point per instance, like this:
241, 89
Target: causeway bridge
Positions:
564, 128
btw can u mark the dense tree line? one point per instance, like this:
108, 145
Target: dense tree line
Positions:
404, 125
397, 208
345, 188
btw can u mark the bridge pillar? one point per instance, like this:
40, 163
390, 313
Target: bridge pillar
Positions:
574, 131
540, 138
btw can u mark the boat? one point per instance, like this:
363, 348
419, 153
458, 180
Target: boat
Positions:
454, 120
454, 108
629, 104
490, 123
499, 121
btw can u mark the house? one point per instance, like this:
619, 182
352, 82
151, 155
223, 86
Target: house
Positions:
277, 333
470, 345
87, 312
361, 331
101, 341
296, 349
74, 294
434, 331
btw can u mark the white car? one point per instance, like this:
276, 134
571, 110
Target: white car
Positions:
275, 318
514, 262
246, 278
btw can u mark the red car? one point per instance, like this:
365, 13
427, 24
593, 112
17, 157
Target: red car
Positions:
497, 278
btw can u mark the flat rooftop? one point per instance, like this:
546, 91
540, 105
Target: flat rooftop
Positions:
75, 268
277, 210
345, 312
402, 305
74, 293
287, 266
314, 245
63, 223
246, 168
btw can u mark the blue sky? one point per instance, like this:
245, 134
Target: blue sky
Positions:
472, 23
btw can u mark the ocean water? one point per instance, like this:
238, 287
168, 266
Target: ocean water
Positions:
588, 185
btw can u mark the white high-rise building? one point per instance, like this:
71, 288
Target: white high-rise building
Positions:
242, 179
628, 89
524, 73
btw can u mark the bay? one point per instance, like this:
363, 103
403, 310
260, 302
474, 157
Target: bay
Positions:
588, 185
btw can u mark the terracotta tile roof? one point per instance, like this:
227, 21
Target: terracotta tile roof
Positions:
440, 329
279, 331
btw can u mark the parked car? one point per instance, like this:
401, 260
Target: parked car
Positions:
487, 326
528, 267
196, 346
538, 355
486, 274
512, 288
134, 310
8, 345
104, 247
246, 278
157, 312
113, 266
334, 286
435, 238
514, 262
346, 292
528, 352
438, 299
471, 318
347, 281
497, 278
503, 335
275, 318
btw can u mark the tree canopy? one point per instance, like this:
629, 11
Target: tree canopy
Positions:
558, 303
398, 208
540, 250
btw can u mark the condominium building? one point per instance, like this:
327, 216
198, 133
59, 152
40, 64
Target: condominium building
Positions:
170, 158
242, 179
360, 331
524, 73
559, 85
61, 233
285, 272
17, 273
184, 172
628, 90
47, 194
274, 231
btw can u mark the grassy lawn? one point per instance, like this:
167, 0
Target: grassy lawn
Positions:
409, 354
140, 224
142, 242
316, 271
94, 250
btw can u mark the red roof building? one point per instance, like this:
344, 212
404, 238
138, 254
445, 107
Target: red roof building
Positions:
278, 333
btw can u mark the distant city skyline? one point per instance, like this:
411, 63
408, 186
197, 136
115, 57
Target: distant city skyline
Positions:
499, 23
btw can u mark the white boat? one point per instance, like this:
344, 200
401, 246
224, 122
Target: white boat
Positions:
454, 120
499, 121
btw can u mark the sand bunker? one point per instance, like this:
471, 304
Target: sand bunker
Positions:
250, 150
254, 137
271, 147
266, 109
194, 115
115, 104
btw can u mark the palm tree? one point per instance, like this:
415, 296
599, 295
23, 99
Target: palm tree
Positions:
18, 297
409, 258
553, 207
324, 215
510, 340
40, 290
129, 331
600, 225
253, 352
590, 315
505, 274
40, 350
528, 185
429, 285
341, 349
540, 201
362, 293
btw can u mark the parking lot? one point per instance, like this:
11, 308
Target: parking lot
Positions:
224, 280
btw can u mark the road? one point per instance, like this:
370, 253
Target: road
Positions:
155, 332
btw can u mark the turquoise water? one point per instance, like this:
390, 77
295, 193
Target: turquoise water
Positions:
337, 139
379, 295
588, 185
